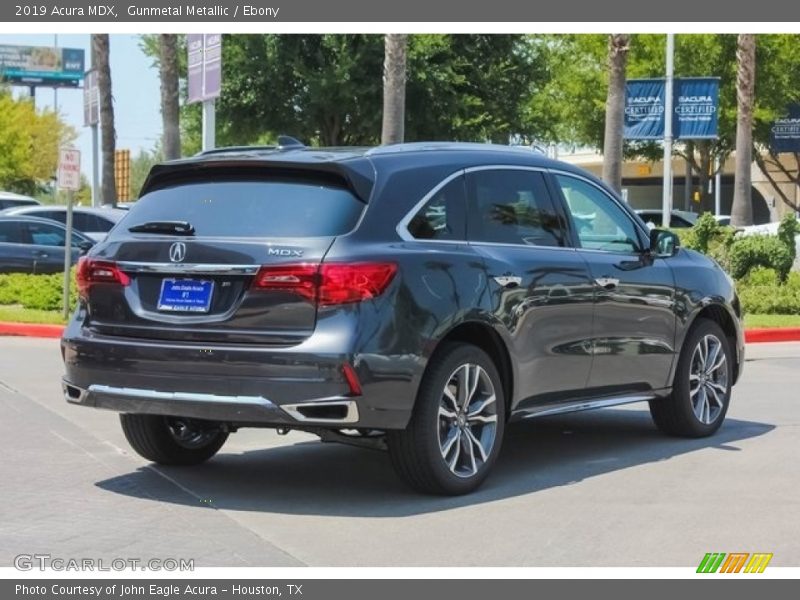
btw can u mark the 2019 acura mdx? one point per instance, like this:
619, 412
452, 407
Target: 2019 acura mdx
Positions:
415, 297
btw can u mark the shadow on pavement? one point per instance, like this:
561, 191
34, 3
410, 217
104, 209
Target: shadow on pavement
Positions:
312, 478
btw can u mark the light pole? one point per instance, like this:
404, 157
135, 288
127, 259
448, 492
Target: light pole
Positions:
666, 200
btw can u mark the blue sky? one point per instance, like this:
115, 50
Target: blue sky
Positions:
135, 87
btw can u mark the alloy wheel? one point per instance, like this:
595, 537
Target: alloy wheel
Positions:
708, 379
467, 420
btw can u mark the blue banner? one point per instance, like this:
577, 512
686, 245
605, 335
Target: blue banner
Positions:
644, 109
695, 106
785, 132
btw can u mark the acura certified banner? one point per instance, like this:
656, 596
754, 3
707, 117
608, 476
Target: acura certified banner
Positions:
695, 108
785, 133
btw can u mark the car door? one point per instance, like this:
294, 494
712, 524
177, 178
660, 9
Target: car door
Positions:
540, 288
47, 246
15, 255
633, 331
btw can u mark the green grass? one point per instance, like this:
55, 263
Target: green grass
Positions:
771, 321
17, 314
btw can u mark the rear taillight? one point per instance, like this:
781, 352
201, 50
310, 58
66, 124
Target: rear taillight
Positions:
328, 284
91, 272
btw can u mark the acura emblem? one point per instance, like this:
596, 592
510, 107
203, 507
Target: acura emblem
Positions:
177, 252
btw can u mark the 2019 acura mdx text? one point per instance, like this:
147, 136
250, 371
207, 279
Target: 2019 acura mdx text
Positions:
416, 297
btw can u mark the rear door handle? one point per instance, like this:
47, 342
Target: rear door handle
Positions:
41, 254
607, 282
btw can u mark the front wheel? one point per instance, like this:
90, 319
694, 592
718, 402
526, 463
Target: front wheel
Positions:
701, 390
172, 440
455, 433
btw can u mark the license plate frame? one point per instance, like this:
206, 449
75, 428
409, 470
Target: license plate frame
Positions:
195, 297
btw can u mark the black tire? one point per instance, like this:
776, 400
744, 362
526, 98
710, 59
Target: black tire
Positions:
154, 437
676, 414
417, 453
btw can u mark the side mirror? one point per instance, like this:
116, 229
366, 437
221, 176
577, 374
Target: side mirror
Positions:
663, 244
84, 246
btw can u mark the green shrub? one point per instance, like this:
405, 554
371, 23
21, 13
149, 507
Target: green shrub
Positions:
35, 291
759, 250
761, 292
789, 228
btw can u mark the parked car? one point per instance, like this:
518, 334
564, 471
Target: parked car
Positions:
10, 200
415, 297
679, 219
34, 245
92, 222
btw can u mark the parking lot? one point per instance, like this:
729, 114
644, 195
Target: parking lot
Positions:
590, 489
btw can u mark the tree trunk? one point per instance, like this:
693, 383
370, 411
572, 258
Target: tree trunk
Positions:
394, 88
170, 107
742, 209
100, 60
615, 110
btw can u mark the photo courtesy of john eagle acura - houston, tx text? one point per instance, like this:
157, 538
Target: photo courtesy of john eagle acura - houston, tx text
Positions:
414, 298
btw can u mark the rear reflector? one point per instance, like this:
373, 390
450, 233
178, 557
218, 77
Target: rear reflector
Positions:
352, 379
328, 284
91, 272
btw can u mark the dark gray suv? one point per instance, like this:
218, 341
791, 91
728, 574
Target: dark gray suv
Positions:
415, 297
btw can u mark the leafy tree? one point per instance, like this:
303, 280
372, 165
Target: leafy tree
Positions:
170, 100
742, 209
29, 143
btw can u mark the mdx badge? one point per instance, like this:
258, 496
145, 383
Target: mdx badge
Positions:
284, 252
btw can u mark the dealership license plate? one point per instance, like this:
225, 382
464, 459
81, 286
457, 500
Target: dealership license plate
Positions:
185, 295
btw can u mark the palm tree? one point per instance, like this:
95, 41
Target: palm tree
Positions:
394, 88
170, 107
742, 209
100, 60
618, 45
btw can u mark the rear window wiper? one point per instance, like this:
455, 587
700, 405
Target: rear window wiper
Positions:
174, 227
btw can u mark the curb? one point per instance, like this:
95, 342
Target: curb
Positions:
39, 330
751, 336
772, 334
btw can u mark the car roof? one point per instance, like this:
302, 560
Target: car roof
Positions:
111, 213
14, 196
358, 165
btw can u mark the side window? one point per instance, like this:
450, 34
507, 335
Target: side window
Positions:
55, 215
43, 234
600, 223
84, 222
10, 232
511, 206
442, 217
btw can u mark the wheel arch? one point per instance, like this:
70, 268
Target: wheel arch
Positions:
484, 336
722, 316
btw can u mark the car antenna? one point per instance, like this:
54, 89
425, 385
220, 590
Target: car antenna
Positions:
287, 142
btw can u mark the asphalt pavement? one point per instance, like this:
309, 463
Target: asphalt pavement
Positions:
601, 488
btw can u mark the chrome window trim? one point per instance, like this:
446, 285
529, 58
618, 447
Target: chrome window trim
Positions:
187, 268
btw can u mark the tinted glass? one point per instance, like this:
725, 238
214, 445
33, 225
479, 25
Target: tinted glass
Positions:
601, 224
251, 208
55, 215
442, 218
86, 222
512, 207
10, 232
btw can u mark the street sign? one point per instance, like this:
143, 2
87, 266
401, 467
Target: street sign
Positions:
41, 65
204, 66
91, 99
69, 169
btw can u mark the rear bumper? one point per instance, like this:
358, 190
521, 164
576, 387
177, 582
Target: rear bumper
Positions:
336, 410
298, 386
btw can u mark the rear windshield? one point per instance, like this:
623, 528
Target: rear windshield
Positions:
252, 208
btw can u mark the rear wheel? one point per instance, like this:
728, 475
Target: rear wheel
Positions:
172, 440
701, 390
455, 433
